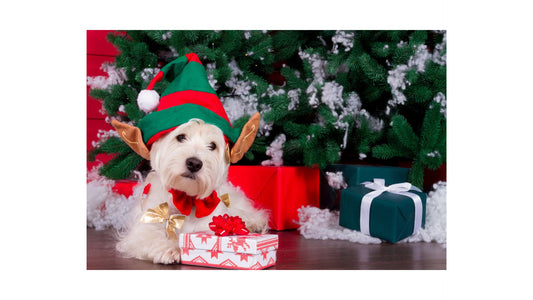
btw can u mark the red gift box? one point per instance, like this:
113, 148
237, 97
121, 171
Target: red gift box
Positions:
282, 190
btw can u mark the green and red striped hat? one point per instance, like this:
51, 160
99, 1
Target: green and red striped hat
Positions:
188, 95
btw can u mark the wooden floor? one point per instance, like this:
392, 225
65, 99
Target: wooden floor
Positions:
294, 253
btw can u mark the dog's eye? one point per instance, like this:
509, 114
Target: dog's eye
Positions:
212, 146
181, 138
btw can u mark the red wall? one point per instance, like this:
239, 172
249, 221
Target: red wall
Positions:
99, 51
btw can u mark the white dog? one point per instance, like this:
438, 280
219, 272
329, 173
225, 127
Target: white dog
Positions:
192, 158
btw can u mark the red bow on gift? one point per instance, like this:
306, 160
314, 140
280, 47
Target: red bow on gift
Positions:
226, 225
184, 203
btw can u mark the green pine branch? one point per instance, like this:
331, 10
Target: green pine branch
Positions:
418, 131
121, 166
404, 132
426, 151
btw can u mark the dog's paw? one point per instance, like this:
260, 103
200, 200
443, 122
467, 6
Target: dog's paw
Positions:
169, 256
258, 227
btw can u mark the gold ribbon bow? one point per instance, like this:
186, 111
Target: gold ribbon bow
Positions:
161, 214
225, 199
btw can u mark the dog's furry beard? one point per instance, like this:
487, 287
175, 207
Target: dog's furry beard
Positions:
169, 154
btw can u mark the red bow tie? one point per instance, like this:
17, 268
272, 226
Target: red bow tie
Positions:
184, 203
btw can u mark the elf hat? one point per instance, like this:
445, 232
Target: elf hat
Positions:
188, 95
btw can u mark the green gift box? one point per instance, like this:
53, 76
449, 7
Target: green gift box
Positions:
391, 215
357, 174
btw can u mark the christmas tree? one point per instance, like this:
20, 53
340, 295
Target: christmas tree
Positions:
324, 96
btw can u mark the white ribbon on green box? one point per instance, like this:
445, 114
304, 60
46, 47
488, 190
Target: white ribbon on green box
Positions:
379, 187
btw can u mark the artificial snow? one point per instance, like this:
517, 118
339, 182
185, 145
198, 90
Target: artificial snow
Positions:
438, 57
433, 154
147, 74
241, 102
239, 106
210, 69
264, 127
235, 71
167, 35
419, 59
114, 76
353, 104
312, 92
294, 96
102, 136
105, 208
323, 224
318, 68
348, 107
435, 229
316, 223
275, 151
332, 96
396, 78
174, 52
272, 92
336, 180
240, 87
343, 38
375, 124
441, 99
397, 82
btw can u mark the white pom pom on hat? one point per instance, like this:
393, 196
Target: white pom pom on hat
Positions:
148, 100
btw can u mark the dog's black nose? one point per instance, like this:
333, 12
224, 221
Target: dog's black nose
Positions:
193, 164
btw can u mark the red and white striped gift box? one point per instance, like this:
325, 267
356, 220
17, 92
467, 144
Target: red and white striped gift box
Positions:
248, 252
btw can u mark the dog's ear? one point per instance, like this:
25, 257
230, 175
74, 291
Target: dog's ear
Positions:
133, 137
246, 139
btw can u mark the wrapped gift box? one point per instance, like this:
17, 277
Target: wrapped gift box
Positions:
392, 216
355, 175
329, 196
281, 190
247, 252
